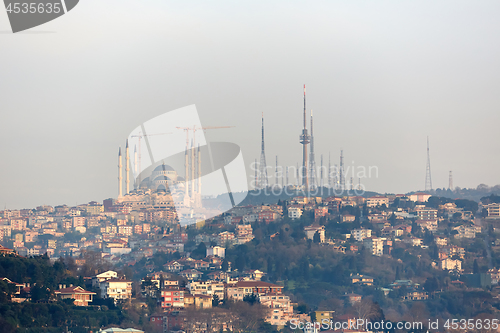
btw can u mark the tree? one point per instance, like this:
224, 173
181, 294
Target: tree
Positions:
250, 299
225, 265
431, 284
215, 300
398, 273
475, 268
366, 309
317, 238
200, 252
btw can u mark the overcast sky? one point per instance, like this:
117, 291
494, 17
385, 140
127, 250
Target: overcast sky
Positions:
381, 76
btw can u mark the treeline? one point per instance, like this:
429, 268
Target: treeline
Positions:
53, 317
38, 273
474, 194
43, 312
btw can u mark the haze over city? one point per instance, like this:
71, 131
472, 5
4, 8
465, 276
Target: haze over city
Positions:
380, 77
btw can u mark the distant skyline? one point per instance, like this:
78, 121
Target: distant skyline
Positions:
381, 77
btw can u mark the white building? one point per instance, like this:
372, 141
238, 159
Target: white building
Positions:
375, 245
312, 230
377, 201
450, 264
116, 288
419, 197
216, 251
207, 288
294, 212
96, 280
360, 234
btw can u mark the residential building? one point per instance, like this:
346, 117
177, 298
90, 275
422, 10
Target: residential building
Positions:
118, 289
172, 297
198, 301
348, 218
378, 246
237, 290
207, 288
281, 308
360, 234
493, 210
430, 225
294, 213
362, 279
81, 296
216, 251
312, 230
419, 197
450, 264
377, 201
427, 213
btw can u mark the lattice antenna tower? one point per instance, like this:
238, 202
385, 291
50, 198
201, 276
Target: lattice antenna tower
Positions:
321, 173
341, 172
330, 177
287, 183
276, 172
263, 180
428, 179
450, 181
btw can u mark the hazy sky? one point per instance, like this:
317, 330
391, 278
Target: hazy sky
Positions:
380, 76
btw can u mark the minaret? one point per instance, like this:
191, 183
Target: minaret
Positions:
193, 163
186, 165
304, 140
263, 181
120, 179
127, 169
312, 160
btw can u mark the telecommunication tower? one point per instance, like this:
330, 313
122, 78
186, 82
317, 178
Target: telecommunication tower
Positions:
304, 140
312, 159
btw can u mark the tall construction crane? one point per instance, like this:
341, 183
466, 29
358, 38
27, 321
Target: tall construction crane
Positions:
140, 136
194, 129
193, 145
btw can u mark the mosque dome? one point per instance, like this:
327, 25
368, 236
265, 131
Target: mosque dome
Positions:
161, 178
164, 167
